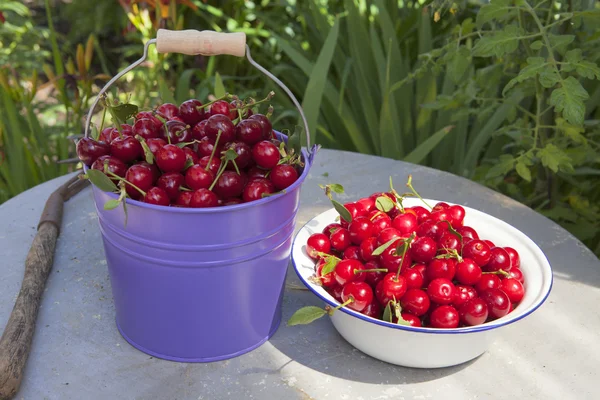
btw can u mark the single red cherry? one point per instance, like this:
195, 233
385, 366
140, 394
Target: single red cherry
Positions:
249, 131
405, 223
360, 229
415, 301
265, 154
414, 277
229, 184
155, 144
215, 164
88, 150
221, 107
257, 172
391, 288
444, 317
359, 294
170, 158
463, 294
184, 199
244, 155
199, 130
517, 274
178, 132
126, 149
170, 182
283, 176
329, 229
141, 177
380, 221
473, 312
203, 198
223, 124
255, 189
423, 249
168, 110
267, 128
115, 165
467, 232
158, 124
352, 253
328, 280
441, 291
197, 177
478, 251
441, 268
391, 258
487, 282
340, 239
317, 243
373, 310
515, 262
146, 128
440, 206
373, 277
468, 272
499, 260
345, 271
456, 215
497, 301
514, 289
153, 168
430, 228
388, 234
421, 212
157, 196
368, 203
413, 320
190, 113
448, 242
367, 247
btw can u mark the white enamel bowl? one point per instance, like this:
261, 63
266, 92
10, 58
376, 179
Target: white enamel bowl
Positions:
428, 347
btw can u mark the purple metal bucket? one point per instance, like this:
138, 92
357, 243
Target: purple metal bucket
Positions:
199, 285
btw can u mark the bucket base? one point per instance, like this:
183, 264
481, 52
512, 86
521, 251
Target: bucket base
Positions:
197, 360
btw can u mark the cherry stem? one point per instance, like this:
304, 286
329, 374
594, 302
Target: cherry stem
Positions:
407, 243
225, 96
269, 112
236, 168
253, 104
358, 271
184, 189
325, 255
219, 173
214, 149
350, 300
126, 181
410, 186
499, 272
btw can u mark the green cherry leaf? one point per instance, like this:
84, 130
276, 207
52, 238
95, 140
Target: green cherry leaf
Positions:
383, 203
111, 204
330, 265
306, 315
147, 152
337, 188
123, 112
387, 313
343, 211
188, 163
230, 155
384, 246
101, 181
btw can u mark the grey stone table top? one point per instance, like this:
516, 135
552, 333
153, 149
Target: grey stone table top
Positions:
79, 354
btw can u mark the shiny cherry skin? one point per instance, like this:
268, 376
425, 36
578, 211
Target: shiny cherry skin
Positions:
221, 123
388, 234
359, 294
249, 131
391, 287
155, 144
229, 184
189, 112
170, 158
515, 261
468, 272
478, 251
115, 165
368, 203
421, 212
373, 277
317, 243
203, 198
329, 229
499, 260
440, 206
88, 150
468, 232
206, 147
265, 154
463, 294
441, 268
373, 310
283, 176
380, 221
360, 229
215, 164
517, 274
126, 149
344, 272
473, 312
170, 182
429, 228
444, 317
158, 124
514, 289
184, 199
327, 280
423, 249
415, 301
140, 176
448, 242
367, 247
405, 223
414, 277
221, 107
257, 172
352, 253
146, 128
340, 239
244, 155
178, 132
486, 282
168, 111
199, 130
267, 128
413, 320
157, 196
497, 301
197, 177
456, 215
391, 258
441, 291
255, 190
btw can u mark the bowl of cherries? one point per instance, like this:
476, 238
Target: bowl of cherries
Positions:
417, 282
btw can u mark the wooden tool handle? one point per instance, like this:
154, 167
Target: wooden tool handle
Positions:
193, 42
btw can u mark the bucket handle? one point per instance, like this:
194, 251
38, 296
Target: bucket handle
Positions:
210, 43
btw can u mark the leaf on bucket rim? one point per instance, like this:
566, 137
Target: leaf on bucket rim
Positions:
101, 181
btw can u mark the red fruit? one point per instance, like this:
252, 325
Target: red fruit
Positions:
499, 260
178, 132
140, 176
199, 130
283, 176
515, 262
421, 212
265, 154
214, 166
221, 123
157, 196
490, 243
244, 155
380, 221
513, 289
444, 317
441, 268
473, 312
367, 203
327, 280
441, 291
359, 294
170, 158
184, 199
360, 229
203, 198
233, 113
88, 150
467, 272
405, 223
146, 128
373, 277
487, 282
249, 131
155, 144
423, 249
467, 232
340, 239
255, 189
391, 288
232, 202
168, 110
170, 182
126, 149
158, 124
392, 259
229, 185
352, 253
189, 112
429, 228
517, 274
463, 294
497, 301
115, 165
373, 310
108, 135
153, 168
267, 128
367, 247
360, 210
317, 243
456, 215
344, 272
221, 107
329, 229
414, 277
448, 242
256, 172
197, 177
478, 251
336, 292
415, 301
440, 206
388, 234
413, 320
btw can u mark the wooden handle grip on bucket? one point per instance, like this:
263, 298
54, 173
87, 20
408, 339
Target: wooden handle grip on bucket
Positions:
193, 42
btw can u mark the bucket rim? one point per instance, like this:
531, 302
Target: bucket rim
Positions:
206, 210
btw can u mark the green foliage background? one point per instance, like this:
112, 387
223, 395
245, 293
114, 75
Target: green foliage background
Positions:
506, 93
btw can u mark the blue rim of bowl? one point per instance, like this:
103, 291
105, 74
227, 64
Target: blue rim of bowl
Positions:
478, 328
307, 164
